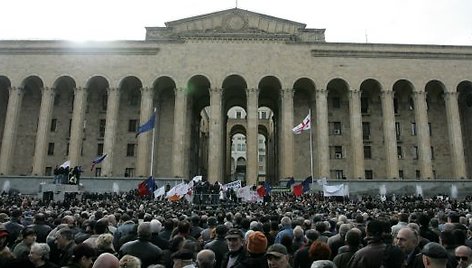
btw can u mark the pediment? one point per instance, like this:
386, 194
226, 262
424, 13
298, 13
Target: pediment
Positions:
231, 24
235, 21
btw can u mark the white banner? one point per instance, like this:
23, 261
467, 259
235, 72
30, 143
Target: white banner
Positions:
180, 190
334, 190
232, 185
159, 192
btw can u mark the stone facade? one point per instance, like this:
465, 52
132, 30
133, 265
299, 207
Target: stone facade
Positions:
378, 110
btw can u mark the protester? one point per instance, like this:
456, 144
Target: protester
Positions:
434, 256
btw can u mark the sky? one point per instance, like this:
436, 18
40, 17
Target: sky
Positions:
440, 22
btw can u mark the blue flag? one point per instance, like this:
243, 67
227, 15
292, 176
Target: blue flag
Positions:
98, 160
306, 184
147, 187
148, 125
267, 187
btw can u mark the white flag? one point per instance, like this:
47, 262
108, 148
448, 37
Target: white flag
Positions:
304, 125
159, 192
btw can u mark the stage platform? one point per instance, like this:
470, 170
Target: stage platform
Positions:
59, 192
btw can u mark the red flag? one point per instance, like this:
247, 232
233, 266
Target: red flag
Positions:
261, 191
142, 189
298, 189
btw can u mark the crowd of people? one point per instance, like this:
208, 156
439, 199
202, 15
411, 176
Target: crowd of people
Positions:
126, 230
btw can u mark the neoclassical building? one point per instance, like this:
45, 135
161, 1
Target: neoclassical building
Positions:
378, 110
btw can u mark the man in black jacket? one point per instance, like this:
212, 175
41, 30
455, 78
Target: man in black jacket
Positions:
219, 245
141, 248
236, 253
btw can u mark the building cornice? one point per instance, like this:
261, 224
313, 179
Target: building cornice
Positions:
393, 51
37, 47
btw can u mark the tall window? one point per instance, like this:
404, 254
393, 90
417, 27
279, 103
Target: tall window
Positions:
337, 152
132, 125
336, 128
129, 172
48, 171
364, 105
67, 148
51, 148
98, 172
418, 174
395, 105
413, 129
367, 152
133, 99
238, 114
53, 125
432, 153
411, 104
415, 152
398, 130
399, 152
339, 174
103, 123
369, 174
401, 174
99, 149
130, 148
104, 101
366, 130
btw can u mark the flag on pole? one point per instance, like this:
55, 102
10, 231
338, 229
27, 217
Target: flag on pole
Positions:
298, 189
97, 161
160, 192
148, 125
306, 184
147, 187
304, 125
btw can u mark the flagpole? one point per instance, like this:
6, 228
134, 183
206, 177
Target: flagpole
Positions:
152, 146
311, 146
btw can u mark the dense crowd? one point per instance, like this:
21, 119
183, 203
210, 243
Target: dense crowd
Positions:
126, 230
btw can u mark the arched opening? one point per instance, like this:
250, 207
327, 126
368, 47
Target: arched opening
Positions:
5, 85
373, 145
27, 126
436, 109
164, 101
465, 110
339, 128
405, 129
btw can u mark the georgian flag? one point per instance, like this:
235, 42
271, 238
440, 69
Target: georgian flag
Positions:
304, 125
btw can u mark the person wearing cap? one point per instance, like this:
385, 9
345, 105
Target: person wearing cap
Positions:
371, 255
14, 227
23, 248
6, 256
463, 255
219, 245
256, 246
434, 255
277, 256
237, 253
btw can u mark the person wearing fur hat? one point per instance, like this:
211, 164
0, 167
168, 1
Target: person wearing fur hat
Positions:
237, 252
256, 247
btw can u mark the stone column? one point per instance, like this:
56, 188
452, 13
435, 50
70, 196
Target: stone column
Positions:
144, 140
422, 130
215, 150
455, 135
77, 126
390, 139
252, 162
11, 124
286, 154
180, 129
322, 138
357, 145
45, 115
113, 107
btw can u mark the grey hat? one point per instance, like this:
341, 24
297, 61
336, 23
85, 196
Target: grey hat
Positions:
277, 250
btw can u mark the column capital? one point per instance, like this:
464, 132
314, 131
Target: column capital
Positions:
419, 93
321, 91
287, 92
146, 90
16, 90
252, 91
48, 90
450, 94
216, 91
179, 91
354, 93
113, 90
387, 93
